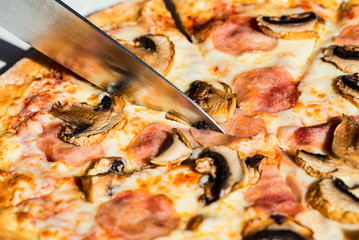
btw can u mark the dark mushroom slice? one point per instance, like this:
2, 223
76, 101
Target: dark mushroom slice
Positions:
87, 124
194, 223
226, 170
348, 86
346, 58
253, 163
154, 49
107, 165
304, 25
219, 103
333, 199
317, 165
176, 150
271, 228
345, 143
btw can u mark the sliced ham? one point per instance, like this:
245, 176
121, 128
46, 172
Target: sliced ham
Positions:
244, 126
57, 150
349, 36
138, 215
239, 35
148, 142
269, 89
271, 193
312, 139
208, 138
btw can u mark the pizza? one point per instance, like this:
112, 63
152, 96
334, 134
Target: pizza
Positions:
280, 77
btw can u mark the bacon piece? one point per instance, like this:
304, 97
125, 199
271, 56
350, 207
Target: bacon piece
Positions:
348, 36
269, 89
208, 138
58, 151
148, 142
271, 194
239, 35
311, 139
138, 215
244, 126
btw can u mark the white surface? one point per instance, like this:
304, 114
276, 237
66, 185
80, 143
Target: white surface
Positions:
13, 49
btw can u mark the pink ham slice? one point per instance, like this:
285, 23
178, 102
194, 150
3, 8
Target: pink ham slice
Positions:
239, 35
311, 139
138, 215
244, 126
57, 150
269, 89
208, 138
349, 36
271, 193
148, 142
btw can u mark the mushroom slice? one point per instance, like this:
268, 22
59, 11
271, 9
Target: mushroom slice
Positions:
107, 165
295, 26
317, 165
230, 172
220, 104
333, 199
252, 166
154, 49
276, 228
176, 150
348, 86
345, 143
346, 58
86, 124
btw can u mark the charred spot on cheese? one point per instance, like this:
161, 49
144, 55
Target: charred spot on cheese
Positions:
220, 104
154, 49
346, 58
176, 150
270, 228
194, 223
317, 165
345, 143
348, 86
87, 124
333, 199
295, 26
225, 169
107, 165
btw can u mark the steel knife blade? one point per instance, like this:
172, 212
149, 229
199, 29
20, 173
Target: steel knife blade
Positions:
59, 32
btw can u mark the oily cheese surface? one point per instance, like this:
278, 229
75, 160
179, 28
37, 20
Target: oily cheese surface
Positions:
68, 172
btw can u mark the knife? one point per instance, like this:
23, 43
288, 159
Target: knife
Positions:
58, 31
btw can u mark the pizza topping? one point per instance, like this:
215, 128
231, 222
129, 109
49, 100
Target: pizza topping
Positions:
317, 165
86, 124
226, 172
276, 227
346, 141
294, 26
349, 36
149, 142
333, 198
278, 198
244, 126
107, 165
58, 151
176, 150
346, 58
220, 104
314, 138
348, 86
208, 138
239, 35
194, 223
269, 89
137, 214
155, 50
